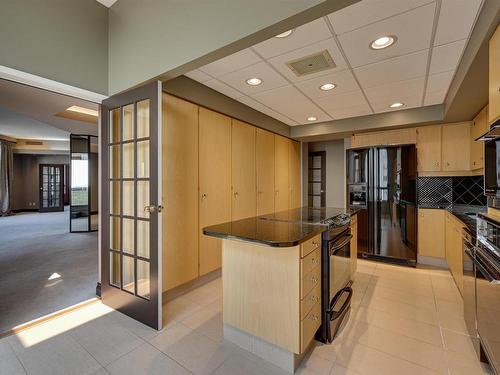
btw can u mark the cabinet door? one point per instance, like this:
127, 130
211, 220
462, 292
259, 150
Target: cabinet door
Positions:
215, 183
478, 128
281, 151
456, 147
494, 77
429, 148
264, 159
294, 163
243, 200
431, 232
180, 191
449, 242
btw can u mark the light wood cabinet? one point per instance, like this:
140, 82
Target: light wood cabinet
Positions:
215, 183
494, 77
456, 147
264, 163
479, 127
431, 233
354, 245
243, 199
388, 137
281, 173
180, 191
294, 160
454, 249
429, 148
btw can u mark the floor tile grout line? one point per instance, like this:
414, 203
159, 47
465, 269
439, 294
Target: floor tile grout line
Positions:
15, 354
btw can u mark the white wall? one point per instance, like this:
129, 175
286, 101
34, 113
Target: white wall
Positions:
335, 169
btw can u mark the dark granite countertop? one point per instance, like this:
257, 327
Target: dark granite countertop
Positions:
282, 229
464, 213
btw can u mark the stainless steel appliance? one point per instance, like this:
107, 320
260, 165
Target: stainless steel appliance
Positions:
492, 167
336, 276
486, 260
388, 227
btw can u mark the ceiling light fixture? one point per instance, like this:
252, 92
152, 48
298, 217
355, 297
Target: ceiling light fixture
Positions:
383, 42
285, 34
85, 111
327, 86
311, 118
254, 81
396, 105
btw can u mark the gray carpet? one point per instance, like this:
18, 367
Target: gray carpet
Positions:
33, 246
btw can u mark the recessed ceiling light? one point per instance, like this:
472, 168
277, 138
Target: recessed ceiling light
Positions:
311, 118
383, 42
86, 111
285, 34
396, 105
254, 81
327, 86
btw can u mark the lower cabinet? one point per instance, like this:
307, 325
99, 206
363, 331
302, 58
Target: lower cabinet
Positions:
354, 245
454, 255
431, 233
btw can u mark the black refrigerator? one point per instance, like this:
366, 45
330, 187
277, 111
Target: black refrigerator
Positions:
381, 183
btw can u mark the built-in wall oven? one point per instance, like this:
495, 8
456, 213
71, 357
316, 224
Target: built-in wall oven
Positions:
336, 279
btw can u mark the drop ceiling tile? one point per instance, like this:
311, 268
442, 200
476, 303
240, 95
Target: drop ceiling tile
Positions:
396, 69
446, 57
439, 81
231, 63
302, 36
356, 111
456, 20
366, 12
223, 88
270, 79
436, 97
279, 62
267, 111
343, 80
335, 102
383, 105
288, 100
198, 75
395, 92
413, 30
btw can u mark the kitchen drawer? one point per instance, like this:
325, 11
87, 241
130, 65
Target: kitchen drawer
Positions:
309, 245
309, 281
309, 326
310, 261
310, 300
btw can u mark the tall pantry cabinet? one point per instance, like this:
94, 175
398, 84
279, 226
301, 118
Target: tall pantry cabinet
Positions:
217, 169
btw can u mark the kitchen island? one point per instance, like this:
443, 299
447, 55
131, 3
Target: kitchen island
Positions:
271, 274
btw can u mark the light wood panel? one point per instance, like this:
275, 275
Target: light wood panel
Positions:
281, 173
479, 126
388, 137
215, 183
180, 191
454, 252
494, 77
294, 160
264, 154
243, 200
431, 232
456, 147
261, 292
429, 148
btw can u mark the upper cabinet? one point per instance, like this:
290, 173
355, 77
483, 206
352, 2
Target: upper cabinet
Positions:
294, 160
243, 200
456, 147
478, 128
281, 174
429, 148
264, 153
494, 79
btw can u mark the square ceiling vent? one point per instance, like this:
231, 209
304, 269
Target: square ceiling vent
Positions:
314, 63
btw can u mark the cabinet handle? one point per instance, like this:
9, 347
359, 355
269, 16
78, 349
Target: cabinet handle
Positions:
314, 279
236, 194
259, 192
203, 196
314, 243
277, 192
314, 318
448, 164
314, 261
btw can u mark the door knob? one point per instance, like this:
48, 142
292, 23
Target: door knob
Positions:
151, 209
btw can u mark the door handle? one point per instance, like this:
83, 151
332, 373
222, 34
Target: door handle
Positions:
236, 194
151, 208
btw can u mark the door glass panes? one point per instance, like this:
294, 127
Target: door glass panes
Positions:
143, 119
114, 268
128, 122
129, 148
143, 159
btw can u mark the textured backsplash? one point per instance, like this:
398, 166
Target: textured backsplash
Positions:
445, 191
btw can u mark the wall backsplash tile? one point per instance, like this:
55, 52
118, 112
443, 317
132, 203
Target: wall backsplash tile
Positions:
445, 191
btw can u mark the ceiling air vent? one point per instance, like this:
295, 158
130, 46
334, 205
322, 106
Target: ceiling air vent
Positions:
314, 63
33, 143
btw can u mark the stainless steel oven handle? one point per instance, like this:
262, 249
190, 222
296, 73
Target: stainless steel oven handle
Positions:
485, 273
342, 244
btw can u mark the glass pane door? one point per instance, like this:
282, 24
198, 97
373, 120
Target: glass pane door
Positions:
130, 239
51, 187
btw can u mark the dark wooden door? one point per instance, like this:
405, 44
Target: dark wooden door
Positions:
131, 242
51, 187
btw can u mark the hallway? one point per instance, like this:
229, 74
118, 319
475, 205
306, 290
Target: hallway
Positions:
34, 249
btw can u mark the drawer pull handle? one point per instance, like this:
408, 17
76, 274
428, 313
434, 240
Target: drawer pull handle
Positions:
314, 243
314, 299
314, 279
314, 261
314, 318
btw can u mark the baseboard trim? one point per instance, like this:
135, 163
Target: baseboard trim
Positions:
25, 210
180, 290
46, 318
432, 261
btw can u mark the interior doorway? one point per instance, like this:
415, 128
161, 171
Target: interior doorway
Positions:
51, 187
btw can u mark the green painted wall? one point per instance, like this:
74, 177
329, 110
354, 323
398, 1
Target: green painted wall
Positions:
62, 40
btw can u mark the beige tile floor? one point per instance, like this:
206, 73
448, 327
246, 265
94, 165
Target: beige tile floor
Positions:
403, 321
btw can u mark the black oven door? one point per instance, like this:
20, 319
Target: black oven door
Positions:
340, 262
